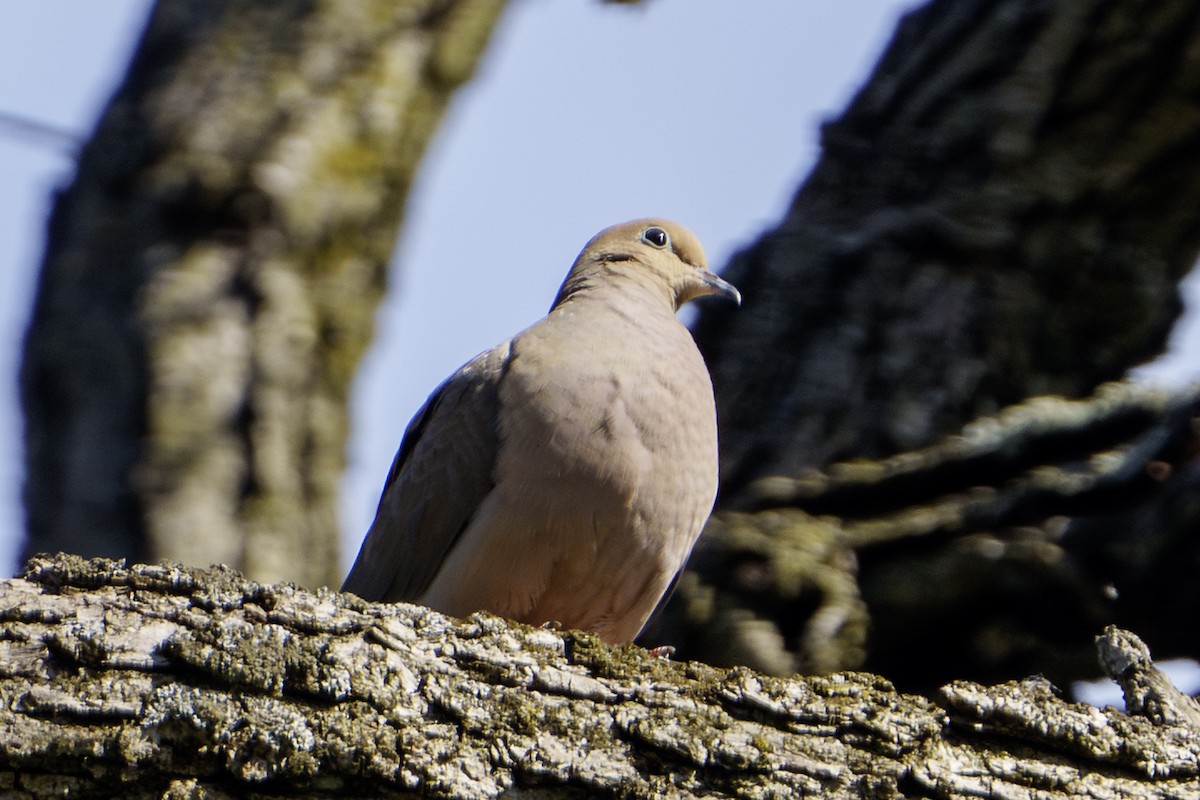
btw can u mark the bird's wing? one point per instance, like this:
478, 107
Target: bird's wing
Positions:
441, 474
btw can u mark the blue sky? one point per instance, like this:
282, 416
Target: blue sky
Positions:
582, 115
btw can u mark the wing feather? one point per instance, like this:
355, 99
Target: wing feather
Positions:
442, 472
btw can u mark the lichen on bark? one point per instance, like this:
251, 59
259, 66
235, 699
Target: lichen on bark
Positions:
161, 680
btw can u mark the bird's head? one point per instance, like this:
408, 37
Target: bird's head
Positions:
664, 257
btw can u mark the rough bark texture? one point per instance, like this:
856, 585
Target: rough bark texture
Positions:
164, 681
994, 554
212, 274
1003, 212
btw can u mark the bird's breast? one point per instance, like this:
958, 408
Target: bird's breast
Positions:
615, 412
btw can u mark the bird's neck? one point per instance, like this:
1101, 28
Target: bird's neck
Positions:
618, 286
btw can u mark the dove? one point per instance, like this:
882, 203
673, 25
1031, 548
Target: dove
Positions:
563, 476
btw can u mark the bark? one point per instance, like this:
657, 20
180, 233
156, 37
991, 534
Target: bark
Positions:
991, 555
212, 274
165, 681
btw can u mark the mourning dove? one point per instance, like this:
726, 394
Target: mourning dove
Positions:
564, 475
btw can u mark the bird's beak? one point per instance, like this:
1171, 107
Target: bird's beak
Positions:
720, 287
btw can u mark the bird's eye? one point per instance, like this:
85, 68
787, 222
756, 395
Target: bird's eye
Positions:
656, 237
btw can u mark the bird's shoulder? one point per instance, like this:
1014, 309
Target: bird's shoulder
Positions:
458, 418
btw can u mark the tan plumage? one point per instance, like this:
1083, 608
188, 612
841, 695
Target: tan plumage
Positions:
565, 474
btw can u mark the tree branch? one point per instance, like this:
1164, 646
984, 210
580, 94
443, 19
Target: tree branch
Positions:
163, 680
212, 272
1000, 550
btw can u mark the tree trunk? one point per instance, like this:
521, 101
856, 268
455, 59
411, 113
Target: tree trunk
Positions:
1004, 211
165, 681
213, 271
